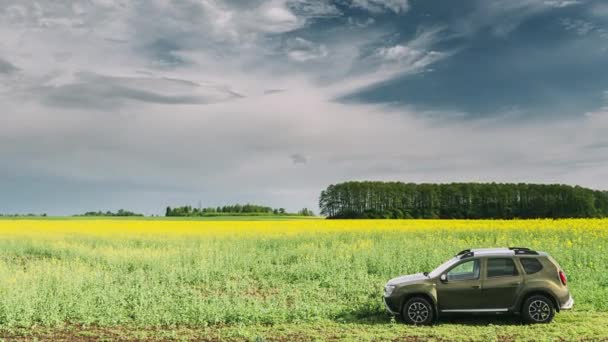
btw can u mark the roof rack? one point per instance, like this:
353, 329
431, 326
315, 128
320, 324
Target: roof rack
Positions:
525, 252
467, 255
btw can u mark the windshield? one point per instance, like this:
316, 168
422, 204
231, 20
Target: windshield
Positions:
441, 268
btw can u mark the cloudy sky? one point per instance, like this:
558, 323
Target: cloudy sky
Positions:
139, 104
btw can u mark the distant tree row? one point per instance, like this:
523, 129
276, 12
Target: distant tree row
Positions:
237, 209
120, 212
23, 215
461, 200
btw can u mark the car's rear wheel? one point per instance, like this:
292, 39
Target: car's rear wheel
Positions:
417, 310
538, 309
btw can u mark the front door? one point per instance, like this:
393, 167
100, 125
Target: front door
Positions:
462, 288
501, 284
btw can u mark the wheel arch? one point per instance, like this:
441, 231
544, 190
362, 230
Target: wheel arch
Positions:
535, 292
424, 295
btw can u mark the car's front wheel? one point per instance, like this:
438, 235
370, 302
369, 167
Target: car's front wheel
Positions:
417, 310
538, 309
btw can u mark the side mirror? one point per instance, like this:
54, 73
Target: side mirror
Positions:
443, 278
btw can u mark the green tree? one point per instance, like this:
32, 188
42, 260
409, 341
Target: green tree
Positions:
460, 200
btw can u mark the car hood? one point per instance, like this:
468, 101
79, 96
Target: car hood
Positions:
407, 279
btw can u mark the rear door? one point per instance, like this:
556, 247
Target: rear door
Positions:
462, 289
500, 284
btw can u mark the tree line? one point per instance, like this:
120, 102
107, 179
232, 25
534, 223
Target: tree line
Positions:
373, 200
119, 213
233, 210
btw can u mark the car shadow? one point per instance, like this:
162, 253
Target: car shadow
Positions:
373, 317
481, 319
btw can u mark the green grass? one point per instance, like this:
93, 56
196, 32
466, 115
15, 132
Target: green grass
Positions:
310, 286
576, 325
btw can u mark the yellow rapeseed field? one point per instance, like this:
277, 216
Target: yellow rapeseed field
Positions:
198, 273
108, 227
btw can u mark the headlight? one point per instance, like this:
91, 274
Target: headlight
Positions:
388, 290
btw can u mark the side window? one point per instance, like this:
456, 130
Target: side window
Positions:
501, 267
467, 270
531, 265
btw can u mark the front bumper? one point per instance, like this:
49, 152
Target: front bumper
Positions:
389, 304
568, 304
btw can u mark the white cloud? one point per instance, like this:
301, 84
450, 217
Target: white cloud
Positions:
389, 62
503, 17
579, 26
361, 23
302, 50
585, 27
409, 58
398, 52
275, 17
562, 3
379, 6
314, 8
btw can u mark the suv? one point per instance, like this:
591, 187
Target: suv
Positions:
490, 280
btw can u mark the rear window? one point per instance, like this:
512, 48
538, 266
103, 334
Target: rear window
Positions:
501, 267
531, 265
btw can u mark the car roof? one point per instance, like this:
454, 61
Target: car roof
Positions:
503, 251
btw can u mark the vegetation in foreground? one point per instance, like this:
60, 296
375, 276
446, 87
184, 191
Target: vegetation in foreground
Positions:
588, 326
270, 279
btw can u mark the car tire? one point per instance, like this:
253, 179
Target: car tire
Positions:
418, 311
538, 309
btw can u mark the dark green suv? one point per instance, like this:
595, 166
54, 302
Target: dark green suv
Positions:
490, 280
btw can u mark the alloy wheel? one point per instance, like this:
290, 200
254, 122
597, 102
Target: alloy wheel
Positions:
539, 310
418, 312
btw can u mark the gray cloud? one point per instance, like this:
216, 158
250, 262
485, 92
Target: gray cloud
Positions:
298, 158
597, 145
92, 91
6, 67
584, 27
273, 91
581, 27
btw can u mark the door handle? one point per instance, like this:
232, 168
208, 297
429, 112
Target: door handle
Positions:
475, 286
